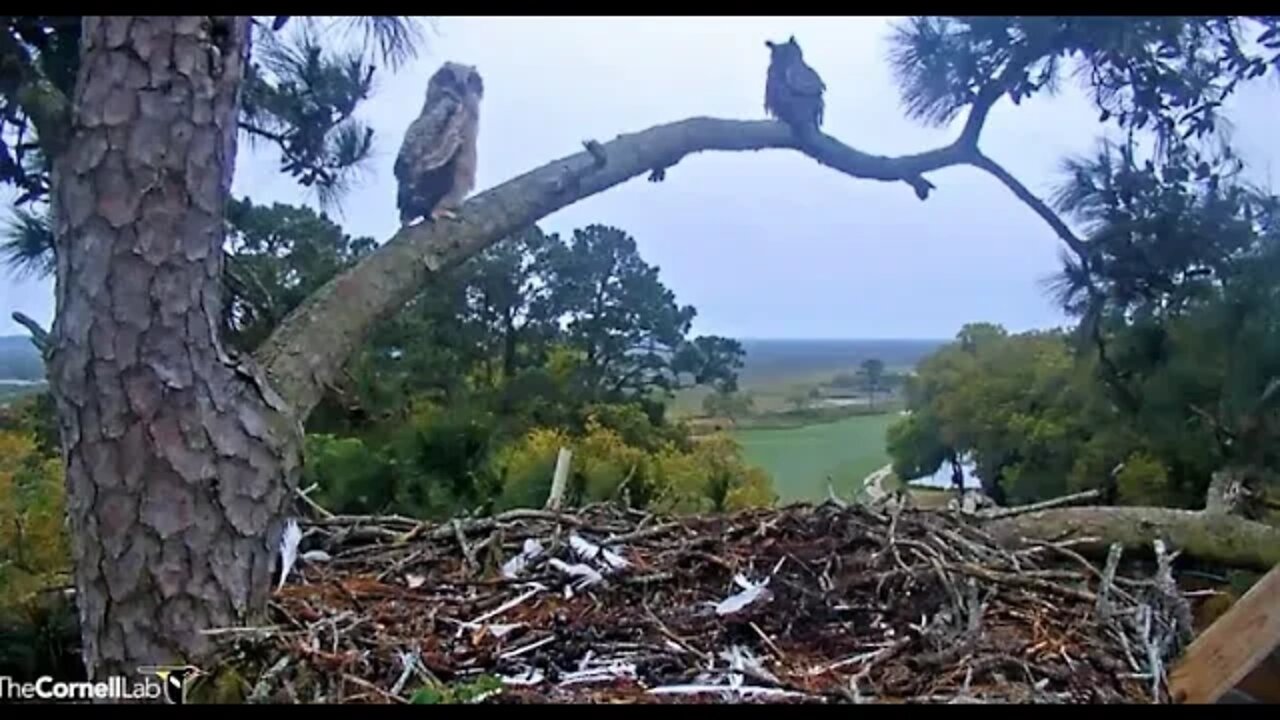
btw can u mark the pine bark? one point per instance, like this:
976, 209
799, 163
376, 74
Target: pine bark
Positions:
179, 462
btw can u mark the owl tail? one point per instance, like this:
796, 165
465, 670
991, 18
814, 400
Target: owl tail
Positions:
404, 202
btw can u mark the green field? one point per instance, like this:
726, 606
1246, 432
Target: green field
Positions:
801, 459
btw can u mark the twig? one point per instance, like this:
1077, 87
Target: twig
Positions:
370, 686
314, 505
773, 648
1103, 608
1169, 594
468, 554
1025, 582
262, 688
670, 635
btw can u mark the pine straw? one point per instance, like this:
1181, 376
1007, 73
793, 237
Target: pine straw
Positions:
861, 605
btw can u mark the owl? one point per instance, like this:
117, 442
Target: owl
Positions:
436, 166
792, 90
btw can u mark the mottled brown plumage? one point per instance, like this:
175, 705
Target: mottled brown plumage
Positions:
793, 90
436, 167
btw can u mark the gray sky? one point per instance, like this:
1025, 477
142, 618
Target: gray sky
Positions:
765, 244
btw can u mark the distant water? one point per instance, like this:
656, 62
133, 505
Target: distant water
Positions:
942, 477
780, 358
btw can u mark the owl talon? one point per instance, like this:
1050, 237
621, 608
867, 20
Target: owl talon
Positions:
443, 214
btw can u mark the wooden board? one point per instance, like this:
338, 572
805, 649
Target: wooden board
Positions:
1263, 683
1231, 647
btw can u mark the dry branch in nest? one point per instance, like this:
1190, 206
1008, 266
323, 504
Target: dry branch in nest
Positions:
803, 604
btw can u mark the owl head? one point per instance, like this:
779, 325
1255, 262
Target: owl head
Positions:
787, 51
457, 80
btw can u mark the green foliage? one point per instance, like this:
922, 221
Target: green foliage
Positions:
1177, 294
442, 461
1018, 405
34, 550
33, 416
47, 50
1176, 353
277, 256
1143, 480
536, 329
633, 464
915, 444
38, 632
626, 322
352, 477
298, 95
27, 247
1166, 75
713, 477
456, 693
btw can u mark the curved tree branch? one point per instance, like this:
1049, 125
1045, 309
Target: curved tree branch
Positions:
39, 336
982, 162
310, 345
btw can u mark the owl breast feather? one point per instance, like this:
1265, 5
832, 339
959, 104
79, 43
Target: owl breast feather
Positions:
423, 166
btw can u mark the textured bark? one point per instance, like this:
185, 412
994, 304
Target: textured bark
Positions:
309, 347
1236, 490
1212, 537
179, 463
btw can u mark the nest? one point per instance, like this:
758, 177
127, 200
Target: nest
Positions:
798, 605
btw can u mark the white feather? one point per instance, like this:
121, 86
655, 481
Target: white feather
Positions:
751, 592
512, 568
289, 549
588, 575
587, 550
608, 673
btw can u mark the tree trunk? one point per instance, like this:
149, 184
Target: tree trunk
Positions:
179, 462
1236, 490
1208, 536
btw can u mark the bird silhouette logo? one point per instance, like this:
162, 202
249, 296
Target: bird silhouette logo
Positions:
174, 679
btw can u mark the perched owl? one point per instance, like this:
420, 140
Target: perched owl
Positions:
792, 90
436, 167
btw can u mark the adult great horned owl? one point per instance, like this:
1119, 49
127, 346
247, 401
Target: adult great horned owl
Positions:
436, 167
793, 90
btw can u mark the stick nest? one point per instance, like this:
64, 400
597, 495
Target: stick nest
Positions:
802, 604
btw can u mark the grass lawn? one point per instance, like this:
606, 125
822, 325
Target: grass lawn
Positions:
801, 459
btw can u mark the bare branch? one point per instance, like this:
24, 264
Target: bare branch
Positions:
39, 336
1046, 213
312, 343
1073, 499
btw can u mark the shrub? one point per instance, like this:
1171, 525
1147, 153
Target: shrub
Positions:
352, 477
38, 632
1143, 481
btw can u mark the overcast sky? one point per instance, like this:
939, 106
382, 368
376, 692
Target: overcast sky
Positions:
765, 244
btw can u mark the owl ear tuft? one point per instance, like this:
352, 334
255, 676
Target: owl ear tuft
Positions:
770, 44
791, 40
